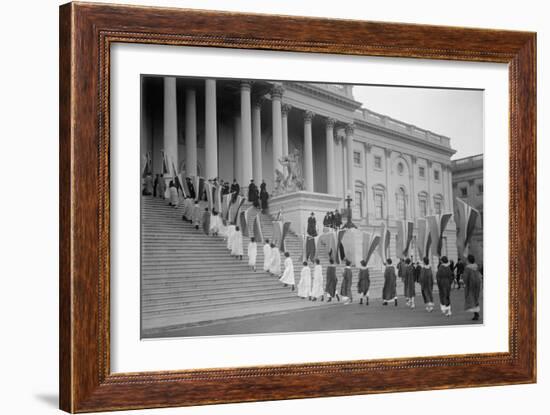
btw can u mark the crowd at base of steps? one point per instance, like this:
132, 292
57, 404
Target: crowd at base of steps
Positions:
310, 285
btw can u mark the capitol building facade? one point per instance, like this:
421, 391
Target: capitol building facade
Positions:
313, 144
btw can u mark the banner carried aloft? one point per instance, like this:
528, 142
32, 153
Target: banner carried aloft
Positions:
437, 225
370, 243
257, 229
384, 244
404, 237
466, 219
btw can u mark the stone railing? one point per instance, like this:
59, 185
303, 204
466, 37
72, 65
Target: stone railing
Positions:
382, 120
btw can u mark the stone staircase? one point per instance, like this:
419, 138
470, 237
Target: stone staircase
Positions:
189, 278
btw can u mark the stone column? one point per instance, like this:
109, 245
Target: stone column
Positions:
387, 167
308, 151
257, 139
450, 205
246, 133
190, 132
349, 152
367, 147
413, 191
285, 109
170, 125
210, 131
331, 180
444, 187
276, 95
237, 152
430, 178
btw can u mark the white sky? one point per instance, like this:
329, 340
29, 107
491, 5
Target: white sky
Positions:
455, 113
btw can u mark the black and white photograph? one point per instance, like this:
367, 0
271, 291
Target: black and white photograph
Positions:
274, 206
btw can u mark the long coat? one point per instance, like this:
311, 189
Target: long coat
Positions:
363, 284
288, 274
312, 226
317, 282
389, 292
332, 280
408, 279
345, 288
472, 287
304, 286
427, 284
252, 193
444, 277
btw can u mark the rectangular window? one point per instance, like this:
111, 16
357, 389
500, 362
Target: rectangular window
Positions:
358, 211
437, 207
378, 162
422, 171
436, 175
357, 158
463, 192
479, 189
401, 212
423, 208
379, 206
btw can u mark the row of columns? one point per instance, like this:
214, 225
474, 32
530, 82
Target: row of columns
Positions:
248, 141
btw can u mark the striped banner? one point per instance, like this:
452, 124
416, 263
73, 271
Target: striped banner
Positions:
329, 239
370, 243
226, 200
437, 225
277, 232
286, 228
353, 242
422, 238
384, 244
466, 219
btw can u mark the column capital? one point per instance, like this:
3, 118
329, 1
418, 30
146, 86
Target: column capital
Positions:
429, 162
330, 122
368, 147
387, 152
285, 109
308, 115
413, 159
245, 84
350, 128
277, 91
257, 102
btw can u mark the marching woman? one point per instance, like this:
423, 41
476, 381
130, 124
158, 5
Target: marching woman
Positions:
230, 237
173, 195
196, 216
345, 288
275, 261
237, 245
252, 252
317, 291
363, 284
332, 281
288, 275
409, 281
472, 287
444, 278
427, 284
389, 292
304, 286
267, 255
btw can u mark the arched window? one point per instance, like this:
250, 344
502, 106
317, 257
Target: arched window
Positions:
423, 204
438, 204
379, 192
401, 204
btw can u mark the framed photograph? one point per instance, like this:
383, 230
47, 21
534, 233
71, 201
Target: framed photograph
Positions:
260, 207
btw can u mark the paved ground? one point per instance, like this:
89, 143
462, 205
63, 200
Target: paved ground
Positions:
337, 316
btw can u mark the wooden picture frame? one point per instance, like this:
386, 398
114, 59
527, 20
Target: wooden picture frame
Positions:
86, 33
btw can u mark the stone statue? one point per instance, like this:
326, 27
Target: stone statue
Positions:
291, 178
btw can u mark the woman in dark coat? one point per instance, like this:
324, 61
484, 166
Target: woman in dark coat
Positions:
389, 292
312, 225
427, 284
345, 288
409, 282
332, 280
363, 284
472, 287
444, 279
263, 196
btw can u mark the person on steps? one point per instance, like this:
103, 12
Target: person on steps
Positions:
363, 284
288, 275
304, 286
251, 252
389, 291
